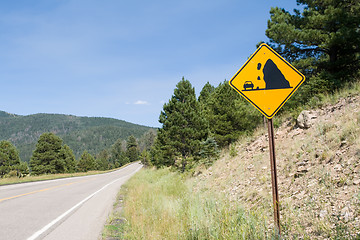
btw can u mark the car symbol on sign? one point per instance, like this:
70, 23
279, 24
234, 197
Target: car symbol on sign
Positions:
248, 84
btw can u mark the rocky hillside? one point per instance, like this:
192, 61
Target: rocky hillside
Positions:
318, 162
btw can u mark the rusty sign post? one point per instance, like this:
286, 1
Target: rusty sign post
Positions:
267, 81
274, 183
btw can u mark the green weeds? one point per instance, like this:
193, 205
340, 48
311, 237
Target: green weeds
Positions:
158, 204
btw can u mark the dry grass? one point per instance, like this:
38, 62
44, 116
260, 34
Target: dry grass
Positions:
318, 175
159, 204
15, 180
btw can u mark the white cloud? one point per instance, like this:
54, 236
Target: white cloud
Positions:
140, 102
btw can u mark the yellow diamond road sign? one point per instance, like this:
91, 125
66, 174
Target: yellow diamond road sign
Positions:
267, 80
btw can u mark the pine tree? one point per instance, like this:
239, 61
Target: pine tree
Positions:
102, 160
183, 128
206, 92
323, 40
145, 158
9, 158
22, 169
229, 115
46, 157
118, 156
87, 162
147, 140
209, 151
68, 156
205, 95
132, 151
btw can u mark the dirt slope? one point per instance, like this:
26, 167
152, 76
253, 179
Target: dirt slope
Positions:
318, 174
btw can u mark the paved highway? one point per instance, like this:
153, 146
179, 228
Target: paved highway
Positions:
71, 208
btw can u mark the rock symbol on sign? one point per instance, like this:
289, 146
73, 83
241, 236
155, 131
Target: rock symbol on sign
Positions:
273, 77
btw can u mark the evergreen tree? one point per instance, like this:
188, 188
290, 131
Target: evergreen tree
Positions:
183, 128
206, 92
132, 151
209, 151
229, 115
46, 157
103, 160
9, 158
145, 158
22, 169
87, 162
205, 95
69, 158
147, 140
323, 41
118, 156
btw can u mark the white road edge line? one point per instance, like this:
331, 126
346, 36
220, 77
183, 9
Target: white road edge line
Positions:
52, 223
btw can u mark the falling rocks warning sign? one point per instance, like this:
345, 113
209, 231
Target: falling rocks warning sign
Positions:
267, 80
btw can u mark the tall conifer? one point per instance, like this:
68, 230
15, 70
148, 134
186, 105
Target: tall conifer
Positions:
46, 157
69, 158
9, 158
132, 150
229, 115
321, 40
183, 128
87, 162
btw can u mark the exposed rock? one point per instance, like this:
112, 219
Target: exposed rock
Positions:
318, 153
197, 173
251, 166
346, 214
356, 182
338, 167
301, 163
342, 144
357, 153
301, 170
306, 119
295, 132
323, 213
318, 172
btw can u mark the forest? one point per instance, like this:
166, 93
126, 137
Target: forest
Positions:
322, 41
231, 198
53, 156
81, 133
67, 144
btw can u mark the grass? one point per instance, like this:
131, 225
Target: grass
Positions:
159, 204
232, 198
29, 178
350, 89
14, 180
312, 202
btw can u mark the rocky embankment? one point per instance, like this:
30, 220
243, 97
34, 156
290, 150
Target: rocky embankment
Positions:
318, 161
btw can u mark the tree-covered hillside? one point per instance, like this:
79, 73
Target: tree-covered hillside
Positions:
93, 134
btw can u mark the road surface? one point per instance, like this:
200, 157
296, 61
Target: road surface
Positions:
71, 208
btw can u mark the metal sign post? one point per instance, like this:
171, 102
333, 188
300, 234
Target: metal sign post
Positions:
274, 175
267, 81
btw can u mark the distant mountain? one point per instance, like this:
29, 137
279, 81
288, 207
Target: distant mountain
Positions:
5, 114
81, 133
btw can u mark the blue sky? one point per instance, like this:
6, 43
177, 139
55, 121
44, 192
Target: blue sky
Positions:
121, 59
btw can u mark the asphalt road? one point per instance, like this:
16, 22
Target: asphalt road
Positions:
66, 209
